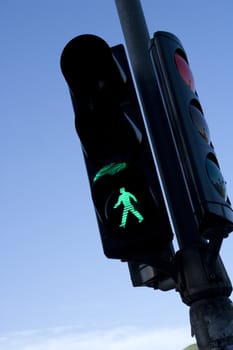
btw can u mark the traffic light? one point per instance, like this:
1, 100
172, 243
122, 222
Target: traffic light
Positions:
204, 181
125, 190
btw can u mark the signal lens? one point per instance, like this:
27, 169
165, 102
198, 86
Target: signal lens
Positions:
123, 198
184, 69
216, 176
199, 121
125, 205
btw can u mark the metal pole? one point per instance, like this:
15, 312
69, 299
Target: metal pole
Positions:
137, 40
211, 319
212, 323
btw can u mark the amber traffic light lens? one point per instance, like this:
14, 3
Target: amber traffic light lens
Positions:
216, 176
199, 122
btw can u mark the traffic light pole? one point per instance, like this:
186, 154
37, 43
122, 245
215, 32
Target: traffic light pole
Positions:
211, 317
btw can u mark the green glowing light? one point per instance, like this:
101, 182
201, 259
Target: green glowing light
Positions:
110, 169
125, 199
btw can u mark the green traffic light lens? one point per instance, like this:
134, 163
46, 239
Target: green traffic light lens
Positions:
110, 169
216, 176
123, 199
199, 120
184, 69
127, 203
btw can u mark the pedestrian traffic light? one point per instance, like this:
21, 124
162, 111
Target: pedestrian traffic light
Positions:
125, 190
204, 180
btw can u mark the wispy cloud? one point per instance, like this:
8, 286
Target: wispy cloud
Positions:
73, 338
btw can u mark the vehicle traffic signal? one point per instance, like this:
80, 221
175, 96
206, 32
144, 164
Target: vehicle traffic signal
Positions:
204, 181
125, 189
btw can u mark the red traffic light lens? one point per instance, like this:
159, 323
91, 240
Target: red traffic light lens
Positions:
184, 69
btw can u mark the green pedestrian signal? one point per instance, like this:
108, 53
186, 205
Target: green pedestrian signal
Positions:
111, 182
124, 185
126, 198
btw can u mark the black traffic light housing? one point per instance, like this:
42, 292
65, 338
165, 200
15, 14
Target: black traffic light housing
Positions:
204, 182
151, 276
129, 206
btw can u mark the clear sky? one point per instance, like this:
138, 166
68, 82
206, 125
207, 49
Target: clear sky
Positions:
57, 289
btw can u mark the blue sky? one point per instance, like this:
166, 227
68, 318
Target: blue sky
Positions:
57, 290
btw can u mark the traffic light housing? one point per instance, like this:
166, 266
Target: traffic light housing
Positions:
204, 181
125, 189
153, 276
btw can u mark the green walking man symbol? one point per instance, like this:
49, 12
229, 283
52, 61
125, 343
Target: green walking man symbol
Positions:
125, 198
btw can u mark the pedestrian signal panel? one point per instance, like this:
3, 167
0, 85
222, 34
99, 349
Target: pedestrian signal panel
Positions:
125, 189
